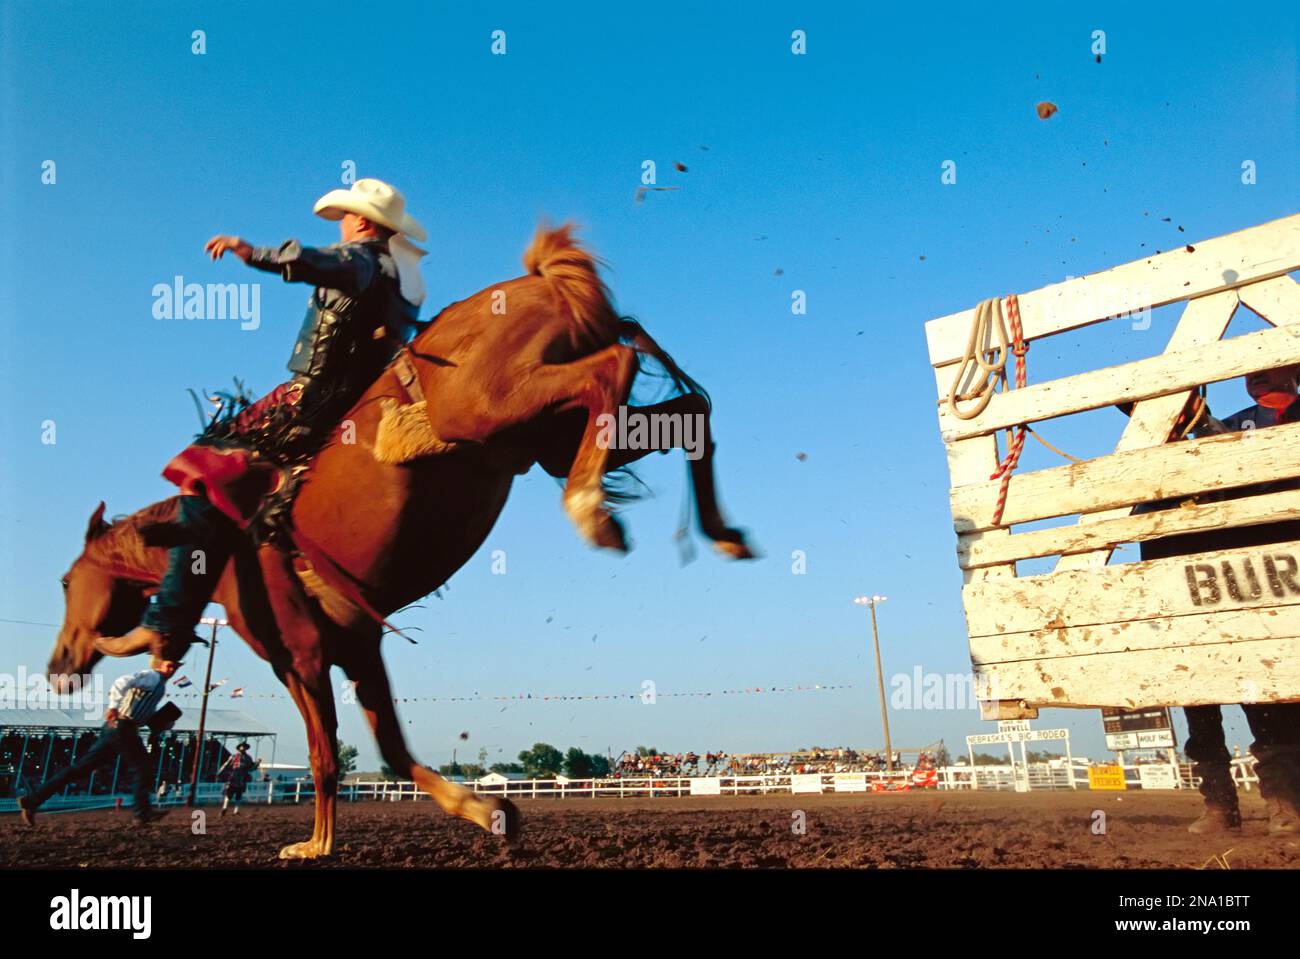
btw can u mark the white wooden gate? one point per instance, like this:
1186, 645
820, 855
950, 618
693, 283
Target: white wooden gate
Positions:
1205, 628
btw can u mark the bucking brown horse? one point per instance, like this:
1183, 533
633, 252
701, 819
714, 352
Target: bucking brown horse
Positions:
520, 373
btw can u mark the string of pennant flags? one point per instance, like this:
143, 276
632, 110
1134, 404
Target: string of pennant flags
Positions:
239, 692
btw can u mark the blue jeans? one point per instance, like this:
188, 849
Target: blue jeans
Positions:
184, 593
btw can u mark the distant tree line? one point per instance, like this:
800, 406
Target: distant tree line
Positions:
984, 759
543, 761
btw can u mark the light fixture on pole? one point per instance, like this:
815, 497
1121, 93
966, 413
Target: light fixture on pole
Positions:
872, 601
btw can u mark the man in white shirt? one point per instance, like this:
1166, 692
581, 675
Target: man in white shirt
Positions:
132, 701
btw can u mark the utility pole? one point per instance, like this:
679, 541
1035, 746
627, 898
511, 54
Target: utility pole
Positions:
203, 709
871, 601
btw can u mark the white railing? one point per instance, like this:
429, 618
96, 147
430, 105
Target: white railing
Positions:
206, 794
1038, 777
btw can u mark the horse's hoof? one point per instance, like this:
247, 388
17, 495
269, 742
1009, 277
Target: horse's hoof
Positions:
594, 522
506, 821
310, 849
497, 815
734, 547
608, 534
601, 529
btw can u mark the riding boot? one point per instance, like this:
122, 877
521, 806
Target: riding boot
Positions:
193, 571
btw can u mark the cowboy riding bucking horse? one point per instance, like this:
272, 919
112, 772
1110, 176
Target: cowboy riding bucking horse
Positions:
377, 471
363, 308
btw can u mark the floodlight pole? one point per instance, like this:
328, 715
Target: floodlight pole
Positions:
871, 602
203, 709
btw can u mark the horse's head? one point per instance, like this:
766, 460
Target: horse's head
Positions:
98, 601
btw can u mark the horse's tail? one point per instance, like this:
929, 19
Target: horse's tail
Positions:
558, 258
634, 335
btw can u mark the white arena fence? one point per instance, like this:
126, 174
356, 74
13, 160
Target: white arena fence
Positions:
1037, 777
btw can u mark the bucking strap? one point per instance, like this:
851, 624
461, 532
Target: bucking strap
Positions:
338, 579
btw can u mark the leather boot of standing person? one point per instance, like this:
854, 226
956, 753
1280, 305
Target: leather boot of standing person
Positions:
1276, 728
1208, 751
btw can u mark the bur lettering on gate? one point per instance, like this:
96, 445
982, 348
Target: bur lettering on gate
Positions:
1209, 582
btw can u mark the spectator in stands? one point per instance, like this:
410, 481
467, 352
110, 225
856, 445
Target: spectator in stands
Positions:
132, 701
1275, 726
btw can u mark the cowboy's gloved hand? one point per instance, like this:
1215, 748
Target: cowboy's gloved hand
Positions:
110, 717
219, 244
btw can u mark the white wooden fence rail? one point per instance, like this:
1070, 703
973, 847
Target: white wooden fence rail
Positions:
983, 778
1181, 630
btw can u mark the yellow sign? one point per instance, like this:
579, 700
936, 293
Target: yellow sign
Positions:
1106, 777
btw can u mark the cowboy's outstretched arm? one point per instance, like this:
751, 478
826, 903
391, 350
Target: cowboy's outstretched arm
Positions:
348, 268
219, 244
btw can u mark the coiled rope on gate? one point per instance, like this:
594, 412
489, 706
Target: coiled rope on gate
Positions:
991, 364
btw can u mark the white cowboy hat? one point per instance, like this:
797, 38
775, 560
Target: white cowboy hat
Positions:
375, 200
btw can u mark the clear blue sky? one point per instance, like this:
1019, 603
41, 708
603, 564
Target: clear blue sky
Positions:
825, 167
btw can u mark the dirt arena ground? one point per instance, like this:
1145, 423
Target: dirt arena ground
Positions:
946, 831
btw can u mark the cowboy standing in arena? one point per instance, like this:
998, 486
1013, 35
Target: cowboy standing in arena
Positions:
238, 770
1275, 726
132, 702
363, 309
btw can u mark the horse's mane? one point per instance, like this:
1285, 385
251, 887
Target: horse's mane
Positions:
121, 544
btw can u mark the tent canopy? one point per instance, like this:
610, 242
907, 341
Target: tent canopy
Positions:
220, 722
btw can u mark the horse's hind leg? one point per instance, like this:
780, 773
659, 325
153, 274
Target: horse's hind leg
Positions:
596, 385
364, 664
317, 708
695, 436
